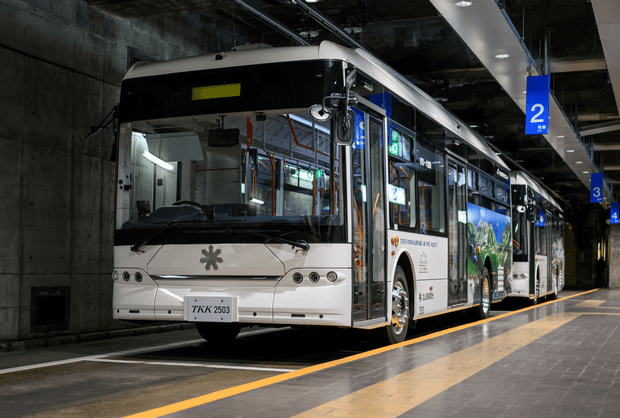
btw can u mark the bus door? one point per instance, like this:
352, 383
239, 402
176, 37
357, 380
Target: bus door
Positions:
368, 217
457, 231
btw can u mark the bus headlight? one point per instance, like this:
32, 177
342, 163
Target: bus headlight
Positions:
126, 276
332, 276
138, 277
298, 278
115, 275
314, 277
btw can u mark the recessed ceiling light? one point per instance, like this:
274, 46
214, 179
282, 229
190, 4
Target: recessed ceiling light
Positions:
560, 136
463, 3
578, 162
570, 150
585, 172
502, 56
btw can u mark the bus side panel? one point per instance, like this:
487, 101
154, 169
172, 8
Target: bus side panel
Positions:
489, 235
544, 274
429, 257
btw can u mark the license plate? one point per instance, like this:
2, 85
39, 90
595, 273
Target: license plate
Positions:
211, 308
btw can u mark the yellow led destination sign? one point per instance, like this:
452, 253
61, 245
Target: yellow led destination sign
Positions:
216, 92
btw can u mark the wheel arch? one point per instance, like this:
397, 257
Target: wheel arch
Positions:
489, 266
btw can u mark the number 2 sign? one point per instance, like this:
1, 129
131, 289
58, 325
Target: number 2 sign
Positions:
537, 105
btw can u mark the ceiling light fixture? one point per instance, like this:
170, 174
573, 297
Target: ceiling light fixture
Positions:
463, 3
578, 162
501, 56
560, 136
585, 172
570, 150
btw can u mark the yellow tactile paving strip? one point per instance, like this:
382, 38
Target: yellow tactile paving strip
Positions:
594, 303
397, 395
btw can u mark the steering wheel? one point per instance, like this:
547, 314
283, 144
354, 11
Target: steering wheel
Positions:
187, 202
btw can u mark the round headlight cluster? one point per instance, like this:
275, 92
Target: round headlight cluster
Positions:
315, 277
127, 276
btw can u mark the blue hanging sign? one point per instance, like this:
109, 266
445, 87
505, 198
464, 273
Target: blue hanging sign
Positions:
614, 214
540, 218
359, 131
384, 101
537, 105
596, 188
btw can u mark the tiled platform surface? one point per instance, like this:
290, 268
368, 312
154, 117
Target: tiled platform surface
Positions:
558, 360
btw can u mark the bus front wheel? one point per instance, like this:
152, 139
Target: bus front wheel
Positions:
218, 333
396, 331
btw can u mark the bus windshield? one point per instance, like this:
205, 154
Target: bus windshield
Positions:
236, 179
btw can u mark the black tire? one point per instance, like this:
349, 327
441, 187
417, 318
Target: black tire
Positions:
554, 295
536, 290
218, 333
396, 331
484, 308
187, 202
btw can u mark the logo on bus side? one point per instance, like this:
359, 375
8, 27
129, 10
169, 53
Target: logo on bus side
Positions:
211, 258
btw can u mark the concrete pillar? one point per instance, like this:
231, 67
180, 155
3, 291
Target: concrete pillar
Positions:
614, 256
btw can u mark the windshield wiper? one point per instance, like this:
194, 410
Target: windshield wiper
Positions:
136, 247
299, 243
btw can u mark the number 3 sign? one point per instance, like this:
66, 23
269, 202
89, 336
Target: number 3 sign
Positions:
537, 105
596, 188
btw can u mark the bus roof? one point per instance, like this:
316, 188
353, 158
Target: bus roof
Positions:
520, 177
327, 50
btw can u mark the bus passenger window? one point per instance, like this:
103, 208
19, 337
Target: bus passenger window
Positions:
401, 194
431, 189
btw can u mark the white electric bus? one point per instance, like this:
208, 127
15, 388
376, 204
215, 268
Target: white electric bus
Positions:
306, 185
538, 241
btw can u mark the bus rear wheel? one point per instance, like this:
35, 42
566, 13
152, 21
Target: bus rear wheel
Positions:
218, 333
484, 310
396, 331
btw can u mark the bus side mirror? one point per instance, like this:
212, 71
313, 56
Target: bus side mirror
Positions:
344, 127
531, 214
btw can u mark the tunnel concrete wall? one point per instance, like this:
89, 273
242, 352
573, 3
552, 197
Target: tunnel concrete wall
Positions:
613, 265
61, 65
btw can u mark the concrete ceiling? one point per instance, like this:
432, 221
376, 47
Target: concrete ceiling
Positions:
449, 52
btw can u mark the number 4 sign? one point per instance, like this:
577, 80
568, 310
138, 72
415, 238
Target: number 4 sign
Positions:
537, 105
614, 214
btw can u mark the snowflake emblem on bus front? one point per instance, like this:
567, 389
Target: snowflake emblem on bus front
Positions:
211, 258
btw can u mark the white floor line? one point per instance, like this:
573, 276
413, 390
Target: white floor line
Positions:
125, 352
205, 365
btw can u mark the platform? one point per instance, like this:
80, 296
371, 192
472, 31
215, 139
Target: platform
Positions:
556, 359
